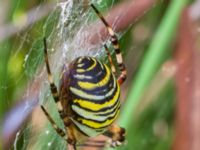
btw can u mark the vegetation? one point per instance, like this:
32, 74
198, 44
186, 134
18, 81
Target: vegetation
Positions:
148, 46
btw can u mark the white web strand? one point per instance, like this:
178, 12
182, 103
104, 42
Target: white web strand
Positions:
62, 48
66, 8
16, 139
63, 51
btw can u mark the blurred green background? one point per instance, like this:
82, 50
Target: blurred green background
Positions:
146, 45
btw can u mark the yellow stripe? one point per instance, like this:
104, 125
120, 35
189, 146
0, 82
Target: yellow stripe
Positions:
109, 110
80, 65
80, 70
90, 96
103, 112
92, 115
96, 124
80, 59
88, 69
93, 65
90, 86
95, 107
83, 94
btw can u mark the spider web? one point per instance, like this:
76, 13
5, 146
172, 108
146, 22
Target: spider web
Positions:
64, 28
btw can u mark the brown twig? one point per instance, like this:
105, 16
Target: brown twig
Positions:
188, 86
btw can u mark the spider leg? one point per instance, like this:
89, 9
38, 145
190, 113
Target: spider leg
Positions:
96, 145
53, 87
100, 143
110, 59
117, 135
115, 42
69, 137
74, 146
56, 128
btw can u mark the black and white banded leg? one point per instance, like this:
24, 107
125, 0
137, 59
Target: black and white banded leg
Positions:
110, 59
56, 128
53, 87
69, 139
115, 42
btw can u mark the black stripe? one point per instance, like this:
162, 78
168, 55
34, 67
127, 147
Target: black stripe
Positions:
123, 78
86, 61
117, 51
97, 121
110, 118
47, 66
46, 57
100, 16
80, 130
61, 113
99, 130
53, 87
116, 107
121, 66
97, 73
114, 40
54, 91
106, 99
60, 132
99, 90
96, 111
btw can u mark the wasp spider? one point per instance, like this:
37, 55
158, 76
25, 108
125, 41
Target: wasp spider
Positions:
88, 98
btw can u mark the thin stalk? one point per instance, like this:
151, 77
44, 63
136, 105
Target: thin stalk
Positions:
5, 50
4, 56
152, 60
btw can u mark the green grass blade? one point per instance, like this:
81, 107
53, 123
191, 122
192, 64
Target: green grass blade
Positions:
153, 59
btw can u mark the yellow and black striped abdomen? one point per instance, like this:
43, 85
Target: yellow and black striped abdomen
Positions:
94, 95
